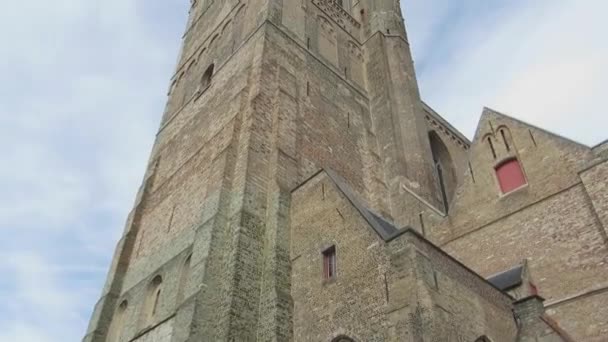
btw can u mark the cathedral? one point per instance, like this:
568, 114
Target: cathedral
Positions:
299, 189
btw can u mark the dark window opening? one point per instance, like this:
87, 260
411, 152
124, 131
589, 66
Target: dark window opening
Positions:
444, 193
206, 79
510, 176
329, 263
491, 144
444, 169
504, 138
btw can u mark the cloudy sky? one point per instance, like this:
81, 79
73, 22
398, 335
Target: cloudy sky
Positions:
84, 87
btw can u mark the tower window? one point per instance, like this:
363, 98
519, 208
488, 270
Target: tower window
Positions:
329, 263
206, 79
152, 300
510, 176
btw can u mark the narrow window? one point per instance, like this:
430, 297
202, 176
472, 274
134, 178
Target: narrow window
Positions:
183, 279
444, 194
504, 138
491, 144
156, 298
329, 263
472, 173
206, 80
152, 300
117, 324
510, 176
532, 138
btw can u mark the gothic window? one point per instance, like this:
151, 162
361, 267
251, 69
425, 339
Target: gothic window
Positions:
444, 169
510, 176
329, 263
491, 145
183, 279
206, 79
153, 296
504, 139
118, 322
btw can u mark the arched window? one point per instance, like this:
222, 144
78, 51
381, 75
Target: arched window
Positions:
118, 321
343, 338
206, 79
444, 168
506, 137
483, 338
183, 279
492, 149
153, 296
510, 175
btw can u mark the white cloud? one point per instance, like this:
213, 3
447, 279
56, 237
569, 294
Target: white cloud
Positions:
540, 61
83, 90
84, 85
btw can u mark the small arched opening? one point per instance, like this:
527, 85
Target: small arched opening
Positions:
118, 322
152, 301
207, 76
183, 279
342, 338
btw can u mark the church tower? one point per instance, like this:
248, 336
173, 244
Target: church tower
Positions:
265, 94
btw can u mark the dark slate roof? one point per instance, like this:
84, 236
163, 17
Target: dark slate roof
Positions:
385, 229
508, 279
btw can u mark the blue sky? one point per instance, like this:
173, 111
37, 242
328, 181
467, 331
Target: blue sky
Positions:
84, 85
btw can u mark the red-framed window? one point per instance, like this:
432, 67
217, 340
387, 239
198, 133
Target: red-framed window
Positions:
329, 263
510, 176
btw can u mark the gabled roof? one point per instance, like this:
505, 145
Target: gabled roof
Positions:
385, 229
488, 112
508, 280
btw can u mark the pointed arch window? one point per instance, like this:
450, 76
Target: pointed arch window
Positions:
510, 175
444, 169
183, 279
118, 321
207, 76
152, 301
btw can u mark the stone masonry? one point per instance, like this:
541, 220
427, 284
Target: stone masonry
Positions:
296, 127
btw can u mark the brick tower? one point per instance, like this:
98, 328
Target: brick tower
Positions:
266, 94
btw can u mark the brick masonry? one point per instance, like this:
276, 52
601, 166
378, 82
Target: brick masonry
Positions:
233, 213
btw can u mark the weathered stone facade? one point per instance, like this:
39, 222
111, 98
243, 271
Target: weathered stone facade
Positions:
227, 237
